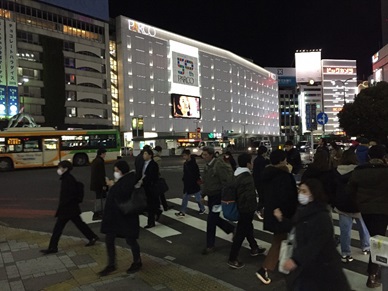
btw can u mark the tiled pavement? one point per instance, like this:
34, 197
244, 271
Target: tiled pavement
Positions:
75, 267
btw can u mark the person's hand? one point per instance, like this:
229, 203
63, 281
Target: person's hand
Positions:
278, 214
289, 265
109, 182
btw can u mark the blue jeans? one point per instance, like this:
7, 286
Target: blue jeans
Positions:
185, 200
345, 224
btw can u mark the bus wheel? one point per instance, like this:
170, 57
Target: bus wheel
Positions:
6, 164
80, 160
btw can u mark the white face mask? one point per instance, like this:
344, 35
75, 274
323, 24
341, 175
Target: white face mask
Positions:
60, 172
303, 199
117, 175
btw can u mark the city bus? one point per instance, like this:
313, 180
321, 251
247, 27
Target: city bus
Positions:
45, 147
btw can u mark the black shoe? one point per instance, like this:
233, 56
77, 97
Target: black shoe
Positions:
257, 251
92, 242
49, 251
262, 274
208, 251
134, 267
235, 264
107, 271
97, 216
372, 282
149, 225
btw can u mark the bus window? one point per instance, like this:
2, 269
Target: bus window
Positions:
103, 140
14, 145
50, 144
71, 142
2, 145
32, 145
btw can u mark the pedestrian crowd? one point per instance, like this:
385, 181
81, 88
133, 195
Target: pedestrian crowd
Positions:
349, 182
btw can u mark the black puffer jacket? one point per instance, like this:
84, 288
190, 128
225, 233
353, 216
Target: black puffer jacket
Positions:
319, 263
368, 184
191, 175
246, 194
114, 221
68, 199
344, 201
279, 190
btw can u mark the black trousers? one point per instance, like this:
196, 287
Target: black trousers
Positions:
153, 207
111, 248
214, 220
60, 225
244, 230
377, 225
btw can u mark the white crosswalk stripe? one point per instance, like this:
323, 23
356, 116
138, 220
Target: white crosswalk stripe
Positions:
357, 280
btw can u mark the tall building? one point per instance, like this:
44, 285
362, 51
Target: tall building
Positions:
288, 101
54, 62
175, 86
384, 21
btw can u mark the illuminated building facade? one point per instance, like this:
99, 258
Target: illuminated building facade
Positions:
54, 62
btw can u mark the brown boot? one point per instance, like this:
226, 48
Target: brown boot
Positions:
372, 282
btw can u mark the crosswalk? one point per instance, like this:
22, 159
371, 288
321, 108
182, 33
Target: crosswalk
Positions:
198, 222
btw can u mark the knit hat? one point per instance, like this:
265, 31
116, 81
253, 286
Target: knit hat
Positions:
122, 166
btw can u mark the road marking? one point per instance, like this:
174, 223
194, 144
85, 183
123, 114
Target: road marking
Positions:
160, 230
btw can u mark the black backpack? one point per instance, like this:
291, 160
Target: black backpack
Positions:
80, 191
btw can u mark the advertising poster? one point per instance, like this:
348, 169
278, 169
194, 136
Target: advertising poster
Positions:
3, 111
184, 106
12, 66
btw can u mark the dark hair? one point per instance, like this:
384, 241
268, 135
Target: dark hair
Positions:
244, 159
349, 157
122, 166
66, 165
148, 151
324, 141
277, 156
321, 161
377, 152
186, 152
158, 148
209, 150
362, 140
316, 188
147, 146
289, 142
262, 150
228, 153
176, 104
101, 151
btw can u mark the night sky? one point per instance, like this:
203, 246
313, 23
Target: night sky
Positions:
269, 32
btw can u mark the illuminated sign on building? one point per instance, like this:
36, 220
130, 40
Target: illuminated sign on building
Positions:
375, 57
339, 70
11, 67
141, 28
185, 69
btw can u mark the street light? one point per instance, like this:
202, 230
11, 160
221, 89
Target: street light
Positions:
21, 83
344, 85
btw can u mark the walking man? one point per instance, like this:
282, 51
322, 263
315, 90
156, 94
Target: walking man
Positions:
216, 175
68, 209
279, 190
98, 183
191, 177
246, 204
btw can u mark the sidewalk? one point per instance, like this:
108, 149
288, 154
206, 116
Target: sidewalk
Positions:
76, 267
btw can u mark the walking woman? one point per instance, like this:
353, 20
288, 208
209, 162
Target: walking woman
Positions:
116, 224
315, 262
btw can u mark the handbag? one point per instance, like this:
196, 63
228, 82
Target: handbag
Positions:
136, 204
161, 186
286, 248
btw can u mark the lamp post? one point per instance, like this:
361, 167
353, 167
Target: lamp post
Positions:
21, 83
244, 135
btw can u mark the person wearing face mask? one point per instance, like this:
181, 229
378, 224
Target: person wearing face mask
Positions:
278, 188
116, 224
315, 262
68, 209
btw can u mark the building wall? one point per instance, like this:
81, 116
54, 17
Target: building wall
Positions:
236, 95
339, 81
84, 45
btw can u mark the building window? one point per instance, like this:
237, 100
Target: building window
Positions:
71, 112
69, 62
70, 79
71, 95
68, 46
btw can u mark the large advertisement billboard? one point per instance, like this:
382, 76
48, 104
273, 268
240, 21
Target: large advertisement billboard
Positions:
184, 69
12, 67
308, 66
184, 106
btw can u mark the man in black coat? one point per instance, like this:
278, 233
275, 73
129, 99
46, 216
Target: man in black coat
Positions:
258, 167
293, 157
279, 190
191, 179
116, 224
97, 182
139, 162
68, 209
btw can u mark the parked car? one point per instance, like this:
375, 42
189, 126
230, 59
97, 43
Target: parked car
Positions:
257, 143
